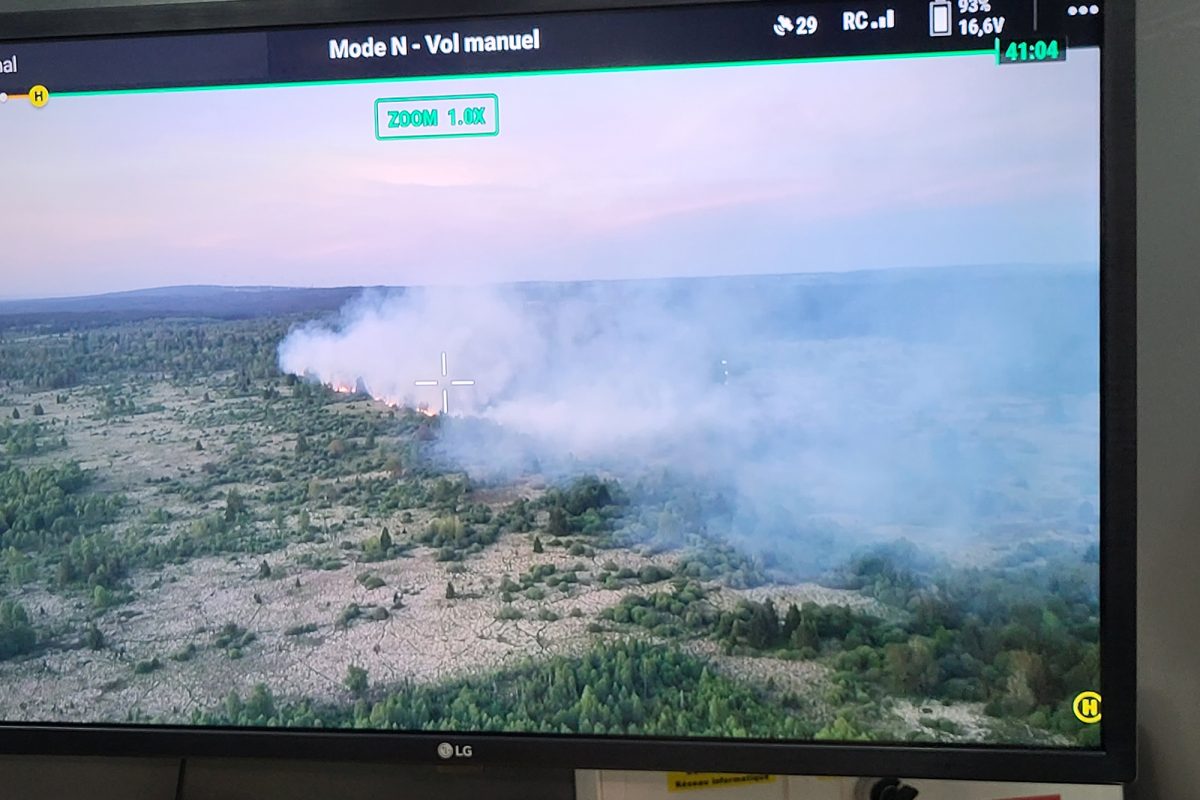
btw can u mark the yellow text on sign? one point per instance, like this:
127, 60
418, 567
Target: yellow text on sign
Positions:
1087, 707
688, 781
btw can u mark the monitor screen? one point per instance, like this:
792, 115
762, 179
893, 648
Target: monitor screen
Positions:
721, 373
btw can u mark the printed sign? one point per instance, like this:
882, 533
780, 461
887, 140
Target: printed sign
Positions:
687, 781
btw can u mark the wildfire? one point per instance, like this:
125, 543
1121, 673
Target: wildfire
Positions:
390, 402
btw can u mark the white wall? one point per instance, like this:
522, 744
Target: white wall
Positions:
1169, 397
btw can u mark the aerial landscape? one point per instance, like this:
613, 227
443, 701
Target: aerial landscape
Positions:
793, 514
682, 408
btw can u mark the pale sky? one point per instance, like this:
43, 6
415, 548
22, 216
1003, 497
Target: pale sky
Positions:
712, 171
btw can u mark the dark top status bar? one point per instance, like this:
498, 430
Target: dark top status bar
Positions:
537, 42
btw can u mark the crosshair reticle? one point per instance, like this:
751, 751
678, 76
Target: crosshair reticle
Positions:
445, 391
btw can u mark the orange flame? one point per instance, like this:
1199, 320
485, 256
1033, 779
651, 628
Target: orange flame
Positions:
390, 402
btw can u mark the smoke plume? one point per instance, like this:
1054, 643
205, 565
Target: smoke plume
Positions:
929, 403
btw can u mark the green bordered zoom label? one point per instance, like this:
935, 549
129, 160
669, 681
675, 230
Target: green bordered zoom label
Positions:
439, 117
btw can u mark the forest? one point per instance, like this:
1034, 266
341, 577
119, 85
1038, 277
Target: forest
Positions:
629, 687
174, 509
1017, 658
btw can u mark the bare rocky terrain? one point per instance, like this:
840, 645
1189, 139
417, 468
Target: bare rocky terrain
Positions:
295, 635
428, 638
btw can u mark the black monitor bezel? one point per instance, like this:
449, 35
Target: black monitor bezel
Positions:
1114, 762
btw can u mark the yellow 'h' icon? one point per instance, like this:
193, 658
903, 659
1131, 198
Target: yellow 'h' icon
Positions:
39, 95
1087, 707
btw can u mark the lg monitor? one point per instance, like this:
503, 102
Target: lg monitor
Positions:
741, 386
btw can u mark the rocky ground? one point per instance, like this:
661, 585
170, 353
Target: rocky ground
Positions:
407, 630
193, 632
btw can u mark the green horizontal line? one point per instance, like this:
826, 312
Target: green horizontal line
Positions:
531, 73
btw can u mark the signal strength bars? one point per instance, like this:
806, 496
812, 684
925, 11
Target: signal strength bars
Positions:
861, 21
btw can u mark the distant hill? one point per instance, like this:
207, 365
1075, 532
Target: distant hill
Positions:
213, 302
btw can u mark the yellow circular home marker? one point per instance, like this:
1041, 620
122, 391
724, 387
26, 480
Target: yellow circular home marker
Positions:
1087, 707
39, 95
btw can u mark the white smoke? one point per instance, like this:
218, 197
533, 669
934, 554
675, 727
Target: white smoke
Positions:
591, 371
388, 342
878, 401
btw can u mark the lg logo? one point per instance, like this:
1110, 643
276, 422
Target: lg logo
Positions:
447, 750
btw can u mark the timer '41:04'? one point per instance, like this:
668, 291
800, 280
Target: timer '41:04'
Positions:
1024, 51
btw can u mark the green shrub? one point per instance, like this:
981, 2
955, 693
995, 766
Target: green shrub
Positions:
147, 666
369, 581
349, 614
185, 653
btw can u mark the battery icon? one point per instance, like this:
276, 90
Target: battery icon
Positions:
939, 18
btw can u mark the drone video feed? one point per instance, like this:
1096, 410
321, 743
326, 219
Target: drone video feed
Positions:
741, 402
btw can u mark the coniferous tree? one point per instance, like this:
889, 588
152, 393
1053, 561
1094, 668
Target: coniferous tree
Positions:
357, 680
